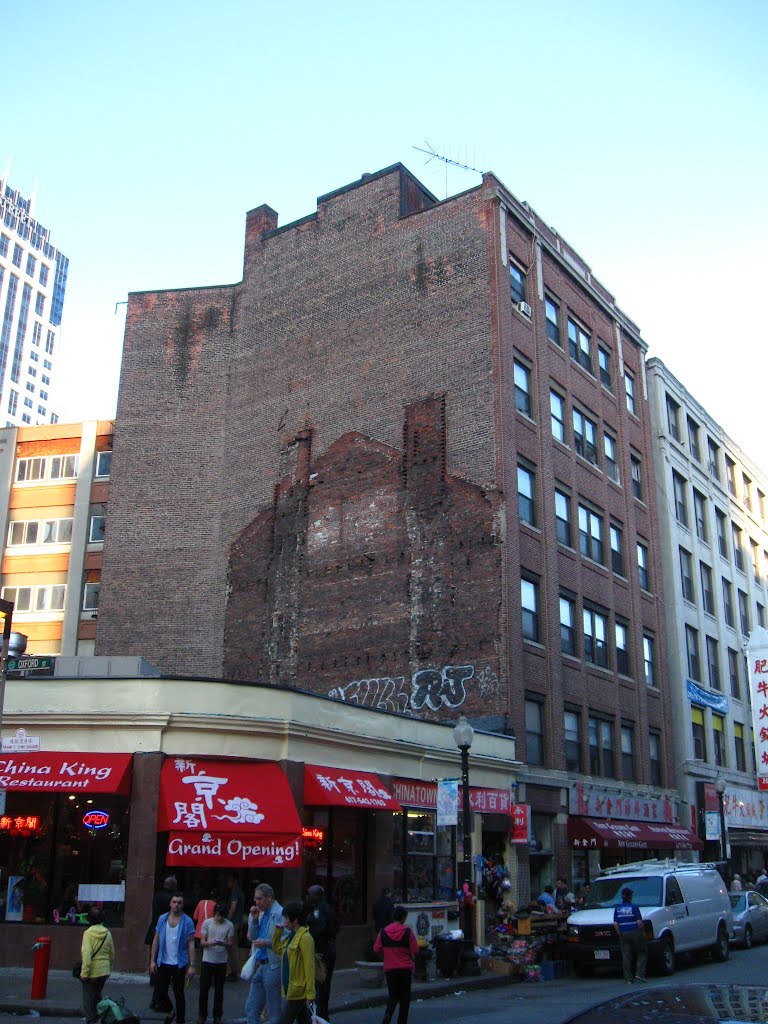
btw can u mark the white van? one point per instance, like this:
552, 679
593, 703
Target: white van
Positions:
685, 908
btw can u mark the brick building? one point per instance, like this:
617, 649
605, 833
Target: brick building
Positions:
406, 462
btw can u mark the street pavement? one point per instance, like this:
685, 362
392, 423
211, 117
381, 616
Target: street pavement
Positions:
488, 998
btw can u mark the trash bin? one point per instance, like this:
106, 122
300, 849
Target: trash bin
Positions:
447, 955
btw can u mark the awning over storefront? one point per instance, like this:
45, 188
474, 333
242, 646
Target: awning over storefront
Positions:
54, 772
598, 834
341, 787
233, 813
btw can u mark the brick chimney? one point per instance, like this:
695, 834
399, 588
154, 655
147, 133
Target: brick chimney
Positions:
257, 223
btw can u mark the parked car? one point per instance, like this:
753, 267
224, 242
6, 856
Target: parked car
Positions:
750, 918
685, 908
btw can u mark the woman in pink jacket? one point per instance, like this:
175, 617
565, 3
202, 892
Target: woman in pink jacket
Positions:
400, 947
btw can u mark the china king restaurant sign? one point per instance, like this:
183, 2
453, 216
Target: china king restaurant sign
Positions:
758, 679
60, 773
233, 813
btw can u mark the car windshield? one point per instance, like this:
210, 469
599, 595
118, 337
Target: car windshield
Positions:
606, 892
738, 900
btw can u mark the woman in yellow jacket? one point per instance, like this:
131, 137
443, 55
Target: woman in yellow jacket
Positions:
98, 953
297, 948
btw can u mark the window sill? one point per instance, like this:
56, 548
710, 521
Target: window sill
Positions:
535, 644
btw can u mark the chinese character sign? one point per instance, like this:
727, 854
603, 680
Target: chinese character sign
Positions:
758, 678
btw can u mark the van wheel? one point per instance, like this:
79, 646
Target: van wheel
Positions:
668, 957
748, 937
721, 949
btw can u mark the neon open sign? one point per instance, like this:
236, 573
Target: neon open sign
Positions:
96, 819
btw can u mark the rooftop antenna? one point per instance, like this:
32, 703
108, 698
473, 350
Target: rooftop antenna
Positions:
432, 153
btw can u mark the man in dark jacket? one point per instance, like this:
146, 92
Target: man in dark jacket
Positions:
323, 927
383, 909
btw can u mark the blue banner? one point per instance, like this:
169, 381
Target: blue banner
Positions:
716, 701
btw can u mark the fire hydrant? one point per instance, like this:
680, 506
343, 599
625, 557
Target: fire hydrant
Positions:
42, 950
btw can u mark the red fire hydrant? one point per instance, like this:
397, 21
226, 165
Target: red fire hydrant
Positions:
42, 950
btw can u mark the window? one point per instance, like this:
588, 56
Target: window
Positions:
637, 479
585, 436
28, 403
649, 670
579, 346
686, 575
50, 341
654, 756
713, 663
50, 598
719, 737
707, 593
17, 254
600, 747
692, 652
693, 439
41, 410
760, 614
34, 357
699, 736
629, 388
747, 491
31, 264
627, 752
713, 454
761, 504
572, 724
604, 363
738, 551
30, 387
681, 505
103, 463
622, 649
563, 518
700, 515
596, 637
673, 419
4, 241
91, 597
738, 739
40, 304
526, 504
25, 418
522, 388
567, 626
642, 566
20, 596
591, 535
43, 275
617, 550
48, 467
754, 554
96, 529
423, 854
728, 603
743, 613
730, 474
734, 674
534, 731
553, 320
13, 402
611, 463
516, 283
722, 537
529, 596
557, 412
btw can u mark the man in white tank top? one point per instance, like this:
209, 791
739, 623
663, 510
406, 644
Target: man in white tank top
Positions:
173, 956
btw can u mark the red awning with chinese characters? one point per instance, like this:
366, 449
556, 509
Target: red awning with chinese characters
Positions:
228, 813
342, 787
597, 834
51, 771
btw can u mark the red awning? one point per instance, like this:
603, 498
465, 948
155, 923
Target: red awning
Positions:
597, 833
53, 772
342, 787
228, 813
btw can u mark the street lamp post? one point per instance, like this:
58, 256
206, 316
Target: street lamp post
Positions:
463, 734
720, 790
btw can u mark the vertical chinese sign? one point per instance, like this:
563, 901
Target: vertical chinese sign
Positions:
757, 652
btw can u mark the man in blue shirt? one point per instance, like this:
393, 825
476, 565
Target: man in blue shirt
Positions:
266, 915
628, 924
548, 899
172, 957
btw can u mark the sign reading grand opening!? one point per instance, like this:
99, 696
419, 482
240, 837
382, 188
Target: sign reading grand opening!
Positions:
757, 653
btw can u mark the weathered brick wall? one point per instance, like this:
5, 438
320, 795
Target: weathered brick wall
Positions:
375, 577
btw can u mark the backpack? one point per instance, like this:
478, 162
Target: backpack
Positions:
115, 1012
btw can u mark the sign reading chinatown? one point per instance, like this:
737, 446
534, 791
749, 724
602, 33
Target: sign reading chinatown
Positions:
412, 793
757, 653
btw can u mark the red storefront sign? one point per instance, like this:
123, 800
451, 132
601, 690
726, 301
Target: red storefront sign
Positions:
342, 787
53, 772
412, 793
597, 833
519, 827
234, 813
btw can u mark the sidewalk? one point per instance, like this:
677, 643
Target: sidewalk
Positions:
63, 997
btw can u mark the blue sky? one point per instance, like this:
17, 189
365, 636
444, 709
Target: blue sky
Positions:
637, 130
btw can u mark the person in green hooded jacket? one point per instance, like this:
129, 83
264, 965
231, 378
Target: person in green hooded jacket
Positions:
297, 970
98, 954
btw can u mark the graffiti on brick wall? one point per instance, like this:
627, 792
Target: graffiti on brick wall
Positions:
428, 689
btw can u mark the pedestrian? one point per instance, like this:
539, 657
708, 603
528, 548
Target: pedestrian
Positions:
172, 959
161, 901
761, 876
628, 924
383, 909
561, 891
265, 917
216, 937
205, 908
547, 898
400, 947
736, 885
296, 948
98, 954
235, 913
323, 927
